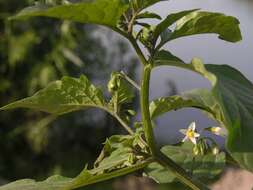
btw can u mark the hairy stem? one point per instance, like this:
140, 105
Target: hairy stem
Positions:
138, 50
113, 174
132, 82
178, 171
128, 129
148, 129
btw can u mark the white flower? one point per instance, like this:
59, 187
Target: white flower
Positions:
221, 131
190, 133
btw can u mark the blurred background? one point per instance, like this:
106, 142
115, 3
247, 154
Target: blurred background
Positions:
40, 50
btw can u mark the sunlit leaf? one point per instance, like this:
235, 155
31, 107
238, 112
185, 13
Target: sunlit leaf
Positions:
63, 96
103, 12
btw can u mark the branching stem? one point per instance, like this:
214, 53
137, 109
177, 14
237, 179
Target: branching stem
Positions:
128, 129
132, 82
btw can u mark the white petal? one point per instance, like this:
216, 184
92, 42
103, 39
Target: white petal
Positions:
184, 131
193, 140
192, 126
196, 135
184, 139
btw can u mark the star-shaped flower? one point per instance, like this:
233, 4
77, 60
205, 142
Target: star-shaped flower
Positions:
190, 133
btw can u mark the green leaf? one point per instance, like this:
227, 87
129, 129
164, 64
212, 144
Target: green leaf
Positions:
122, 96
63, 96
103, 12
187, 99
204, 167
227, 27
52, 183
229, 102
124, 150
191, 22
120, 89
86, 177
142, 4
166, 55
148, 15
169, 20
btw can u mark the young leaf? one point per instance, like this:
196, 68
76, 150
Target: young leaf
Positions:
122, 151
60, 97
103, 12
122, 96
204, 167
229, 102
120, 89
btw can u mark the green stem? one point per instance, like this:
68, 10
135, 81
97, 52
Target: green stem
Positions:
133, 42
180, 173
138, 50
106, 176
147, 124
128, 129
132, 82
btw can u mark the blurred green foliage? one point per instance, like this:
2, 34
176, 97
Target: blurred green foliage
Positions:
32, 54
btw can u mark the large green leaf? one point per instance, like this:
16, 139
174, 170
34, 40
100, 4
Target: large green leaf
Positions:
63, 96
204, 167
103, 12
227, 27
191, 22
230, 102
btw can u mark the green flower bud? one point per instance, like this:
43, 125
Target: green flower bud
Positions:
196, 150
215, 150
